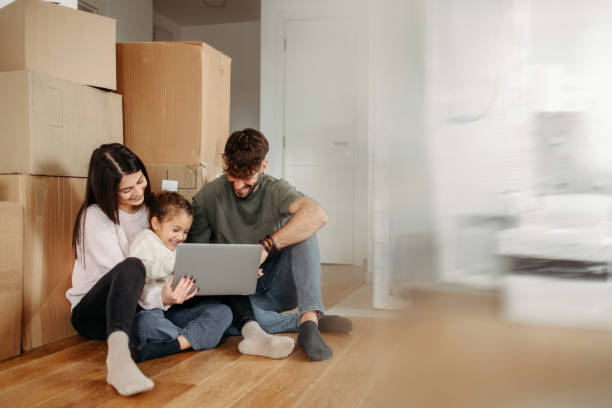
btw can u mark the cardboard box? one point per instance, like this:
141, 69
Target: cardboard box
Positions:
70, 44
50, 205
188, 179
11, 278
176, 99
49, 126
74, 4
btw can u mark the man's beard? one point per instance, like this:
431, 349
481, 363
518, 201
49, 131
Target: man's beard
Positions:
249, 191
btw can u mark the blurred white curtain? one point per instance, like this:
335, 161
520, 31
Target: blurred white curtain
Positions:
400, 199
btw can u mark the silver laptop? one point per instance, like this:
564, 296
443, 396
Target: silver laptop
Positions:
219, 269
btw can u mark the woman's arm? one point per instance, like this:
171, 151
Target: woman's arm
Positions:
102, 244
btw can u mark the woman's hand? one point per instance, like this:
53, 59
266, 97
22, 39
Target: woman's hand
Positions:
181, 293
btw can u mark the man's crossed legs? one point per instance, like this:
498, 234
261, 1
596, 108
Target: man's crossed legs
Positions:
292, 278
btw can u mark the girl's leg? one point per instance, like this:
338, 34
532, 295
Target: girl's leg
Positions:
196, 324
107, 312
201, 321
154, 335
256, 341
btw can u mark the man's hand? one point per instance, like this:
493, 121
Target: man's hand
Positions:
181, 293
262, 259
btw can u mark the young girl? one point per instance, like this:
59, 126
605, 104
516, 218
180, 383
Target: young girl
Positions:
158, 328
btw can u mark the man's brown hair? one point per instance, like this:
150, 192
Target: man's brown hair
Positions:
245, 150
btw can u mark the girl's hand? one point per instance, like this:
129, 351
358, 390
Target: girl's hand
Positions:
181, 293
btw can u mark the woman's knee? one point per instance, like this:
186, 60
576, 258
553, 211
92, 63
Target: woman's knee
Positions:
134, 267
133, 263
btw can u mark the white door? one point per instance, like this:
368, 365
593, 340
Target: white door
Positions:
319, 124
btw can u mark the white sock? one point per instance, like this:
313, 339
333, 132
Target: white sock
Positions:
122, 371
259, 343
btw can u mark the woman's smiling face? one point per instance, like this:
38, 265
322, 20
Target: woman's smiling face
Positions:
131, 191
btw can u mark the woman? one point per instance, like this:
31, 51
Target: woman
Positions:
106, 283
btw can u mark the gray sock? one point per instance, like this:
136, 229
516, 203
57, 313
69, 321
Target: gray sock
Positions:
310, 338
259, 343
122, 372
333, 323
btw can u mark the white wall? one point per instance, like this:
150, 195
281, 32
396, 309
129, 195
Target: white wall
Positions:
134, 18
168, 25
241, 41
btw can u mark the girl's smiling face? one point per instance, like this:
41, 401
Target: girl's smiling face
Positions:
173, 229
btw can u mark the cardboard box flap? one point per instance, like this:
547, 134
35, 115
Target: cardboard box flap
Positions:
195, 43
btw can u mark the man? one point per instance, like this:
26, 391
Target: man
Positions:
246, 206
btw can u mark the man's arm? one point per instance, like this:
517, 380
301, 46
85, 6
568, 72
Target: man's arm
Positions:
307, 218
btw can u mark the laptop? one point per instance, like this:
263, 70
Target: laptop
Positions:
219, 269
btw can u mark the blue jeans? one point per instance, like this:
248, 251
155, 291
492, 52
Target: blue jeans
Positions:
201, 320
292, 278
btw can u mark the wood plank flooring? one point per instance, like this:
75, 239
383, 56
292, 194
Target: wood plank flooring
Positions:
447, 350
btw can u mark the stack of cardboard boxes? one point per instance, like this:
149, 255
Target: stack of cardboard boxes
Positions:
53, 114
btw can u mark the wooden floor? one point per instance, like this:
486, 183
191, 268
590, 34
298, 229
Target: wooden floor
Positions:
447, 350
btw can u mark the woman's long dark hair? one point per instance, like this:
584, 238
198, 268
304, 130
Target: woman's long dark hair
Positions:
108, 164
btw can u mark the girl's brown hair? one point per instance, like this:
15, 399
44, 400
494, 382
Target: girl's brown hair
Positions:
167, 204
